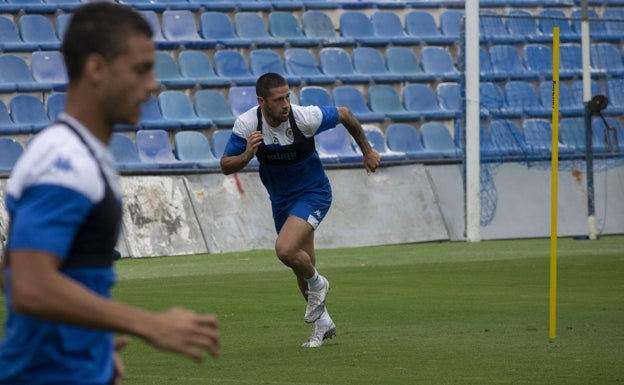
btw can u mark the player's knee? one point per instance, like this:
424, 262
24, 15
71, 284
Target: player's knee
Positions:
284, 251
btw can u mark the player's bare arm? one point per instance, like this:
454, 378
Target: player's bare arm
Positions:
232, 164
371, 157
40, 290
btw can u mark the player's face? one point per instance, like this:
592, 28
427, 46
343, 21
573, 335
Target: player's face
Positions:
130, 80
276, 105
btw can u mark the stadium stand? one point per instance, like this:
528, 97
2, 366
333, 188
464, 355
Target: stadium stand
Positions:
285, 26
388, 25
507, 139
403, 137
352, 98
55, 104
219, 139
615, 93
506, 60
567, 104
420, 98
193, 146
491, 100
378, 141
336, 142
522, 100
10, 151
168, 74
317, 24
551, 18
386, 100
494, 31
126, 155
606, 60
421, 24
196, 65
262, 61
28, 112
175, 105
10, 40
572, 133
231, 64
250, 26
449, 98
522, 25
154, 146
180, 26
403, 61
335, 61
48, 67
538, 59
367, 60
241, 99
152, 117
211, 104
597, 27
438, 62
356, 25
450, 21
150, 16
538, 139
7, 126
300, 62
315, 96
37, 29
437, 139
607, 139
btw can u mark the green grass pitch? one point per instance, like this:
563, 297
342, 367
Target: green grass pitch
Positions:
436, 314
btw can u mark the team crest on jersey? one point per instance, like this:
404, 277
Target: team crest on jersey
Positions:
289, 133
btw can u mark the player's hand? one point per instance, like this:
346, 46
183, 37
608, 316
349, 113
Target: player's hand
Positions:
120, 369
371, 161
185, 332
253, 142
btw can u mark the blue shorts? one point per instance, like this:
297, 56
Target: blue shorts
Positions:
312, 208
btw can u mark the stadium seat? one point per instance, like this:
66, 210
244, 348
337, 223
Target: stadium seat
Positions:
538, 139
437, 139
196, 65
486, 70
161, 5
211, 104
176, 106
285, 26
168, 74
521, 100
377, 140
450, 23
55, 104
219, 140
491, 100
16, 76
572, 133
215, 5
48, 67
253, 5
356, 25
449, 98
567, 104
606, 60
507, 139
242, 99
28, 6
367, 60
231, 65
336, 142
388, 25
420, 24
522, 25
287, 5
262, 61
154, 147
10, 151
10, 41
218, 26
150, 16
193, 146
597, 27
300, 62
315, 96
37, 29
29, 112
551, 18
506, 60
613, 27
420, 98
7, 126
353, 99
402, 61
385, 99
403, 137
577, 91
538, 58
615, 93
320, 4
437, 61
494, 30
126, 154
570, 60
180, 26
317, 24
607, 140
251, 26
336, 61
152, 118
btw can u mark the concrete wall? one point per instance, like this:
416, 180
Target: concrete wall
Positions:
212, 213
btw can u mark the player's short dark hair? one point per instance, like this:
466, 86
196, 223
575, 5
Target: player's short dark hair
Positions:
268, 81
99, 27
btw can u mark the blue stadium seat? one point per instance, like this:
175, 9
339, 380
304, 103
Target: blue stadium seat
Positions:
49, 67
336, 61
609, 140
336, 142
403, 61
64, 5
538, 139
215, 5
161, 5
300, 62
150, 16
494, 30
486, 70
193, 146
421, 99
218, 26
614, 28
538, 58
231, 64
491, 100
168, 74
7, 126
315, 96
436, 138
507, 139
250, 26
37, 29
29, 112
367, 60
388, 25
15, 75
615, 93
577, 91
449, 98
403, 137
196, 65
175, 105
320, 4
253, 5
550, 18
606, 59
287, 5
356, 25
521, 100
522, 24
438, 61
28, 6
385, 99
152, 117
55, 104
154, 147
61, 23
211, 104
570, 60
597, 27
572, 133
219, 140
262, 61
10, 41
506, 60
567, 105
126, 154
10, 151
179, 26
353, 99
421, 24
285, 26
317, 24
242, 99
450, 23
377, 140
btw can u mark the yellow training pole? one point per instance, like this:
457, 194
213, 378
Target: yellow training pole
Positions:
554, 186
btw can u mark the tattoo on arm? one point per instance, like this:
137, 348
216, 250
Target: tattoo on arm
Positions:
355, 129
